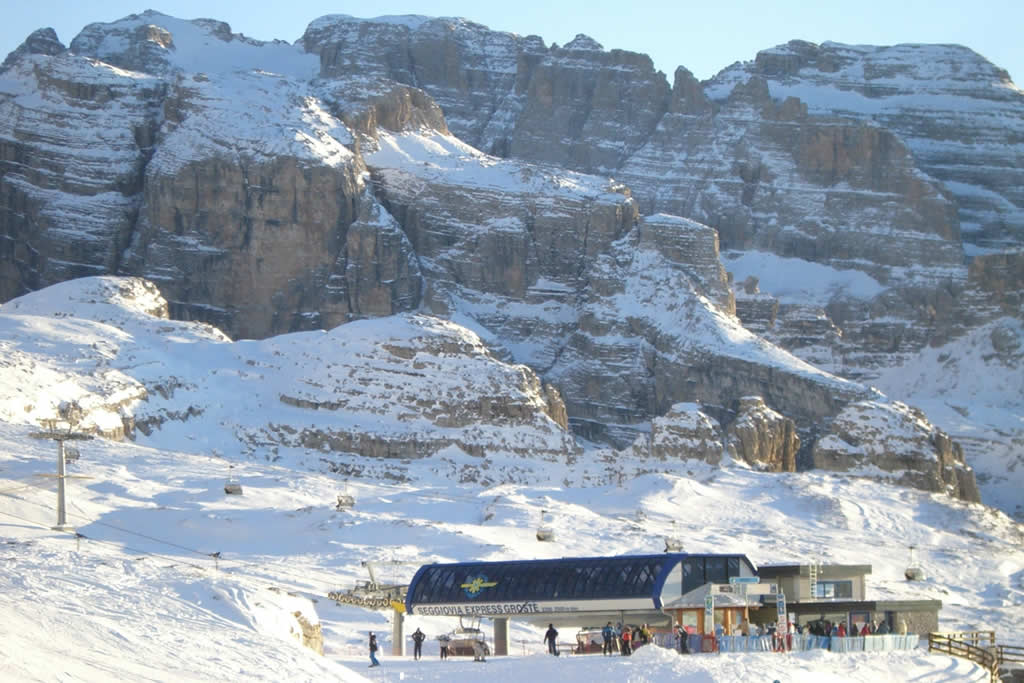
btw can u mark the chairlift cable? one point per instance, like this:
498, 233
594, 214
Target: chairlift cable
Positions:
295, 582
292, 584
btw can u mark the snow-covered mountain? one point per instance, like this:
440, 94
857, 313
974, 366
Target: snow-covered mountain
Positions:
168, 578
274, 187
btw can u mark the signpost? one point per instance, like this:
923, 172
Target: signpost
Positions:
781, 627
744, 579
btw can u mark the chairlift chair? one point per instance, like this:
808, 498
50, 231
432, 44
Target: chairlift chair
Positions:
673, 545
232, 487
468, 639
672, 542
345, 500
544, 531
914, 572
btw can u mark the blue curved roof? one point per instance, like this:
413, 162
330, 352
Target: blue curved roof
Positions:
565, 579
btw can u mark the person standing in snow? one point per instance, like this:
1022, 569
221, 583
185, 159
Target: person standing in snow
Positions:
444, 640
883, 628
681, 638
627, 641
417, 643
373, 650
551, 638
607, 633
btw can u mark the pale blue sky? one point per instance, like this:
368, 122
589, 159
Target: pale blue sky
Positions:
702, 36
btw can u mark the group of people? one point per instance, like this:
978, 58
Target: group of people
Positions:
418, 637
624, 639
869, 628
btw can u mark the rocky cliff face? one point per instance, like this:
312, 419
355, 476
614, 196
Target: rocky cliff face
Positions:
903, 446
961, 116
577, 106
75, 135
848, 156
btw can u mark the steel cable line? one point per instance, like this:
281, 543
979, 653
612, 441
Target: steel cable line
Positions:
292, 581
241, 578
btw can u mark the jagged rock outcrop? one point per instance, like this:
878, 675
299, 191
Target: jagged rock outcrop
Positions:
754, 308
685, 432
962, 120
762, 437
191, 183
897, 440
691, 248
41, 42
437, 380
998, 280
289, 616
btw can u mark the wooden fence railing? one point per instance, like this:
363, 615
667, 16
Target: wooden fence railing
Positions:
979, 647
1010, 654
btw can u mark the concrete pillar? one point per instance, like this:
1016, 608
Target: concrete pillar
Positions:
501, 636
62, 520
398, 634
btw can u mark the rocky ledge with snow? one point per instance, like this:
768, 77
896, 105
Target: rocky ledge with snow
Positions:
395, 389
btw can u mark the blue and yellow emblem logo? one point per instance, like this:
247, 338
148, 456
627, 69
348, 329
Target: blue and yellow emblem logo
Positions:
473, 586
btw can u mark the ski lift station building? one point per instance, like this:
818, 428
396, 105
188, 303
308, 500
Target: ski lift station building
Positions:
581, 591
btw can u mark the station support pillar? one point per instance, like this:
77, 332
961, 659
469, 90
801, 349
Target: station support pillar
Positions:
501, 636
398, 634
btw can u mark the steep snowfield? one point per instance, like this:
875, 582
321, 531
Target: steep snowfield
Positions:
140, 596
973, 388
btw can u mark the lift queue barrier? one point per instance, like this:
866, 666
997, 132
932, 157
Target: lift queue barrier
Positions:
803, 642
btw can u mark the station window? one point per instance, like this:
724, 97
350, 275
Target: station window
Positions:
715, 571
834, 590
734, 567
